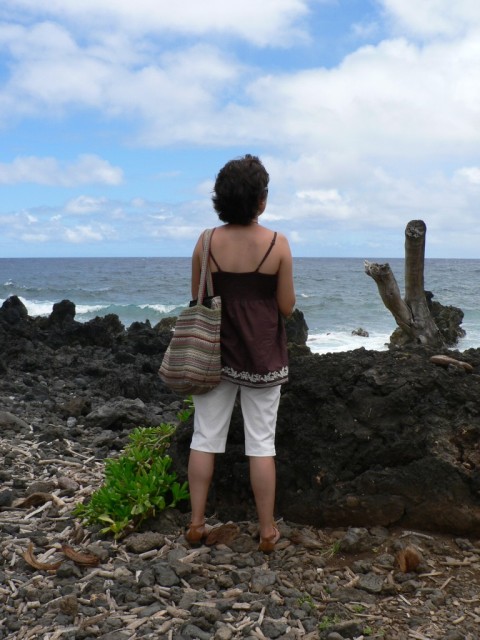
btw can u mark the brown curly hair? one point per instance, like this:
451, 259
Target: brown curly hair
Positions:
240, 187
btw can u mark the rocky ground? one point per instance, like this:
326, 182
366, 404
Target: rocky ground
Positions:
70, 395
331, 583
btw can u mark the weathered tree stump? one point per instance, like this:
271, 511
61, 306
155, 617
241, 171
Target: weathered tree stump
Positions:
412, 314
424, 326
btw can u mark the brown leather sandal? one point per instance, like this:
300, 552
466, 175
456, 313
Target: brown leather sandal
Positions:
196, 533
267, 545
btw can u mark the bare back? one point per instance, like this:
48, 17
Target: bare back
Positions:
244, 250
240, 249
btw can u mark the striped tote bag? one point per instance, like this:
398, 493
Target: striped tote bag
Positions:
192, 363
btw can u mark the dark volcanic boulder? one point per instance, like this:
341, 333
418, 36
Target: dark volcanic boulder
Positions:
121, 413
366, 438
13, 310
62, 312
447, 318
296, 328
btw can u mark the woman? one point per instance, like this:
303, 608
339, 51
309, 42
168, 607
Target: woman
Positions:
252, 272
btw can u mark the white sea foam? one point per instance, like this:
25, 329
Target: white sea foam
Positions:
45, 307
85, 309
335, 342
84, 312
159, 308
37, 308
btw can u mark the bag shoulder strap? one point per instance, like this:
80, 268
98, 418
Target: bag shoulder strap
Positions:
205, 275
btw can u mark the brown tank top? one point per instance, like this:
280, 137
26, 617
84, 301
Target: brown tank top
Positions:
253, 339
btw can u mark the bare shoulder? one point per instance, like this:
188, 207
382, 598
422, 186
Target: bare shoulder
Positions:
281, 237
283, 242
199, 243
197, 252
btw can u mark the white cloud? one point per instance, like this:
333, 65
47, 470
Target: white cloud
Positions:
386, 99
392, 100
33, 238
85, 205
324, 203
118, 214
180, 97
205, 188
263, 23
29, 169
44, 56
159, 217
434, 17
470, 174
177, 232
365, 30
171, 95
83, 233
87, 169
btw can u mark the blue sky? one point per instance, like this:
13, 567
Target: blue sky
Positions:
116, 116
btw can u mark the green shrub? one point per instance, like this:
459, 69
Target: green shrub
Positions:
138, 484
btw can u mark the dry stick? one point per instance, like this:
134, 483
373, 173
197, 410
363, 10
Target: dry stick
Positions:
77, 453
416, 533
261, 616
258, 632
19, 521
245, 623
352, 582
446, 582
67, 463
469, 600
418, 636
88, 622
474, 616
39, 510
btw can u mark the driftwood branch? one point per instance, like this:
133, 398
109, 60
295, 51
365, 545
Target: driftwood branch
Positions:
390, 293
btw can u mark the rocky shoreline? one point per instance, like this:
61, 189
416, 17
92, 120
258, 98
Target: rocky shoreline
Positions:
69, 396
329, 583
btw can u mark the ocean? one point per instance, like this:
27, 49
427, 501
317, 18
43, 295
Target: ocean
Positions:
334, 294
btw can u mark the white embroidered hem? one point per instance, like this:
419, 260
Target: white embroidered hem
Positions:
256, 379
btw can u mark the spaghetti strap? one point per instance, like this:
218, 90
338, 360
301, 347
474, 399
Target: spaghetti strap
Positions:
215, 262
211, 254
268, 252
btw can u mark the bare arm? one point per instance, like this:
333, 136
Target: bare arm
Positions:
196, 266
285, 288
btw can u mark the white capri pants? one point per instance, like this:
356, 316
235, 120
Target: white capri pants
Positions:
213, 412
